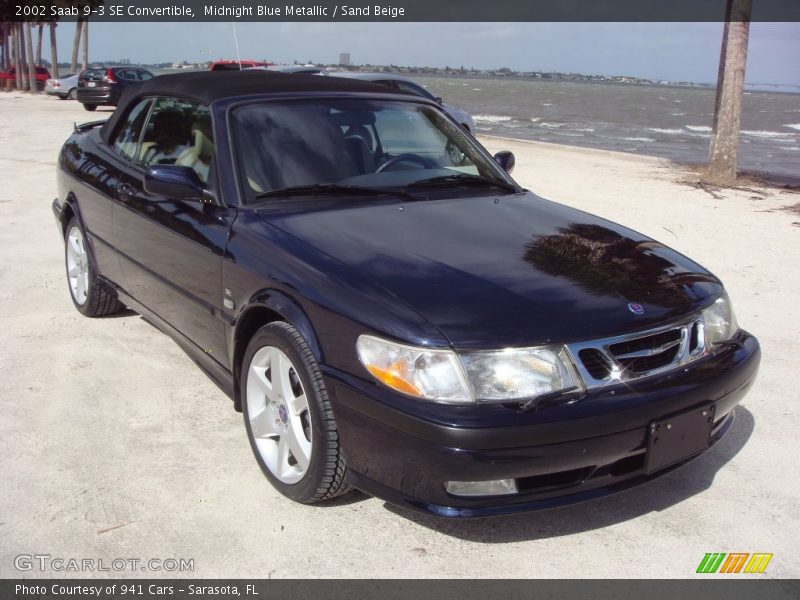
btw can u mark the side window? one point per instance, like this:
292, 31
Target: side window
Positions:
179, 133
126, 141
413, 88
144, 75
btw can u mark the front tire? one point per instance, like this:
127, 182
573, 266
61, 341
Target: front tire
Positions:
91, 296
73, 94
90, 107
288, 416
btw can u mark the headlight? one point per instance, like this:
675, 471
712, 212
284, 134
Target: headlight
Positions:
441, 375
719, 322
517, 374
420, 372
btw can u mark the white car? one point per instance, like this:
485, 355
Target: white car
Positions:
407, 85
63, 87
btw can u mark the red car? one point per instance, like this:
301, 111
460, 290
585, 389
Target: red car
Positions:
237, 65
42, 75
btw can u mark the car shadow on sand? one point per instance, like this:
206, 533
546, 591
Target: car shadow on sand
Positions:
657, 495
122, 313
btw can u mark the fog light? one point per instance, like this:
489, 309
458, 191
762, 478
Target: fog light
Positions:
496, 487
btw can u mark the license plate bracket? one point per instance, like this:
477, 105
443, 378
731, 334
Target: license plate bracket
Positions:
674, 439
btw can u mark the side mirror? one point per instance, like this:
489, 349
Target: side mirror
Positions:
439, 100
506, 160
173, 182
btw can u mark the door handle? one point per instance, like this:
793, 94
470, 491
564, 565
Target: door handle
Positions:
125, 191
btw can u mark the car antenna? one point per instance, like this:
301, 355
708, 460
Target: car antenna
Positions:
236, 42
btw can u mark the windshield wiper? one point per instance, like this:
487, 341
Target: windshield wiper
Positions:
332, 189
463, 178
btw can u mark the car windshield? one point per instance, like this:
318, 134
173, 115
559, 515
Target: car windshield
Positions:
331, 145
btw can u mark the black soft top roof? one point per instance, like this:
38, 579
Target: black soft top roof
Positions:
207, 86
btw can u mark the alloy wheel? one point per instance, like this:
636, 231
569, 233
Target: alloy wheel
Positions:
277, 409
77, 265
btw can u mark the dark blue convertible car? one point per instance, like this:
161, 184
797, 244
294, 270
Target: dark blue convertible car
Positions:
387, 307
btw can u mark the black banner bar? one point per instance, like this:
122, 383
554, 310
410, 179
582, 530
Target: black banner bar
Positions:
391, 10
715, 588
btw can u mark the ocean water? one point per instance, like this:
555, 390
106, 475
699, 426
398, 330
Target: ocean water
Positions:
663, 121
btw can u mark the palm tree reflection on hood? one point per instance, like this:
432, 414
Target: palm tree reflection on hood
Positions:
606, 263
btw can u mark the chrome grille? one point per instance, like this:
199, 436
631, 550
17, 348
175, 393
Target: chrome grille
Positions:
638, 355
595, 362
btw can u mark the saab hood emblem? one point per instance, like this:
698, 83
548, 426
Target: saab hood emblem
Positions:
636, 308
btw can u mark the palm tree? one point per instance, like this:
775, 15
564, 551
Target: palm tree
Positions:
53, 48
85, 61
22, 73
40, 27
76, 42
5, 63
32, 84
730, 86
14, 60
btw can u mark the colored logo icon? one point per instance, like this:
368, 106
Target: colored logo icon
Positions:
734, 562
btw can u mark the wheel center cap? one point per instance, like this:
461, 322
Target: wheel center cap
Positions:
283, 414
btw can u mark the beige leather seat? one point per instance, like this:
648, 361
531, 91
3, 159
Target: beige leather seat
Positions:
146, 150
198, 156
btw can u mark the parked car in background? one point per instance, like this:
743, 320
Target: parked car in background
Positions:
407, 85
386, 318
237, 65
103, 86
63, 87
42, 75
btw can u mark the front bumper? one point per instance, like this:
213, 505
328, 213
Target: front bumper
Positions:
559, 455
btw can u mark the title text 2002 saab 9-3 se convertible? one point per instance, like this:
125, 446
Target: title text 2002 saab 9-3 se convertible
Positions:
387, 307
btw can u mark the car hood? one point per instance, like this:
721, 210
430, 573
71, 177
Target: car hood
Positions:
511, 270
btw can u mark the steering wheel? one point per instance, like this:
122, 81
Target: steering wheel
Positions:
427, 163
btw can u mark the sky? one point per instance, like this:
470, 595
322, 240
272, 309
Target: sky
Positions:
668, 51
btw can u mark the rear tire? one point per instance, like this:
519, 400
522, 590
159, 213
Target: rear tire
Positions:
90, 107
288, 416
91, 296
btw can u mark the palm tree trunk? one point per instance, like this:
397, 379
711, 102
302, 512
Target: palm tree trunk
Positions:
53, 48
86, 44
39, 45
32, 86
17, 62
6, 47
22, 71
76, 42
724, 146
3, 47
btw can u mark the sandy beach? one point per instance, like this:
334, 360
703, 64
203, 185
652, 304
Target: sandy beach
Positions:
114, 444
